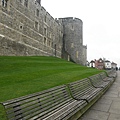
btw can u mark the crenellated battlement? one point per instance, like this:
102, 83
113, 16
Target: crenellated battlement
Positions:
70, 19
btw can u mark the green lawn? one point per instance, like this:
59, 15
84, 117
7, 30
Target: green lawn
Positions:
25, 75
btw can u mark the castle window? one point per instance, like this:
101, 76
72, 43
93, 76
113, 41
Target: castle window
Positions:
45, 31
26, 3
4, 3
68, 57
45, 41
37, 12
52, 44
60, 46
21, 27
45, 19
72, 45
36, 25
49, 43
77, 54
50, 35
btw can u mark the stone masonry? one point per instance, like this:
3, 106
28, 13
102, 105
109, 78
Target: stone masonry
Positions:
27, 29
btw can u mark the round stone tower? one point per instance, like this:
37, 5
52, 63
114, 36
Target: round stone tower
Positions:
73, 38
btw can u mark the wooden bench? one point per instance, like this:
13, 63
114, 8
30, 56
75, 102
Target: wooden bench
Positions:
97, 81
53, 104
105, 77
112, 73
58, 103
83, 90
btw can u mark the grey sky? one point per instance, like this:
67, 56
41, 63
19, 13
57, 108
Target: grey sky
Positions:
101, 24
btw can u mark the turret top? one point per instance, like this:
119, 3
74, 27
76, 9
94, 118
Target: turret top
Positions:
39, 1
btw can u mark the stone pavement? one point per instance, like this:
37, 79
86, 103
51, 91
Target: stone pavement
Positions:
108, 106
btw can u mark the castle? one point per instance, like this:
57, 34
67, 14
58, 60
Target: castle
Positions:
27, 29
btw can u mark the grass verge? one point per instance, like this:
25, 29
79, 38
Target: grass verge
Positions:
20, 76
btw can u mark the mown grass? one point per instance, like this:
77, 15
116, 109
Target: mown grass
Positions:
25, 75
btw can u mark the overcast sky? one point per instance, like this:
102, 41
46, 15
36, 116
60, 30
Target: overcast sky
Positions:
101, 24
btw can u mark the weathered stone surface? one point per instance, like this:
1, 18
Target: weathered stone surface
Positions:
28, 29
104, 101
95, 115
114, 117
115, 107
101, 107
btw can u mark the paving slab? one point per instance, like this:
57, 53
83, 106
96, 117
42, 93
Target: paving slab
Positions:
111, 98
114, 117
104, 100
95, 115
114, 95
115, 107
101, 107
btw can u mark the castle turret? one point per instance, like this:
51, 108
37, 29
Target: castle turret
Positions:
73, 38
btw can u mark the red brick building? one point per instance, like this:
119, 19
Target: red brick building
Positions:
99, 64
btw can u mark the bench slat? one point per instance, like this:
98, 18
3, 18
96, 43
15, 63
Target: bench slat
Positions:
25, 99
42, 105
83, 89
97, 81
56, 103
36, 107
41, 101
112, 73
105, 78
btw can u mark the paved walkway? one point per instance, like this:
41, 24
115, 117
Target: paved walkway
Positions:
108, 107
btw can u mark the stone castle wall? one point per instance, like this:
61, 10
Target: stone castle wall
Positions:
27, 29
30, 26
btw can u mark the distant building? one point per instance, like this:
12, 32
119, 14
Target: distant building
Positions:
99, 64
92, 64
113, 65
88, 64
103, 64
107, 65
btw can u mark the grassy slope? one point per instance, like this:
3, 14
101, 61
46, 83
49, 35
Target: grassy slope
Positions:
25, 75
